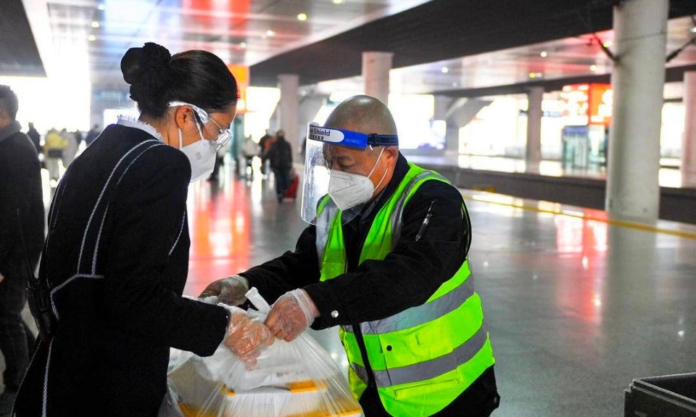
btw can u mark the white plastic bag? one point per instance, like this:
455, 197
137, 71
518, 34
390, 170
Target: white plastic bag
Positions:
290, 379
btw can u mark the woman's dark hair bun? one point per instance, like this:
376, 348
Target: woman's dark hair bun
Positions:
147, 71
195, 77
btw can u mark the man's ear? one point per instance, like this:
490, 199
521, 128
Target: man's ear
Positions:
392, 153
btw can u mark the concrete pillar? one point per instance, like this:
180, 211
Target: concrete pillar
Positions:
375, 72
442, 106
640, 28
535, 97
288, 108
688, 157
309, 107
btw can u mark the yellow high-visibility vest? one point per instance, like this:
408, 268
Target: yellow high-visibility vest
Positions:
424, 357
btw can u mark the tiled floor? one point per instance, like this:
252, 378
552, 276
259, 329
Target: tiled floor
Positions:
576, 306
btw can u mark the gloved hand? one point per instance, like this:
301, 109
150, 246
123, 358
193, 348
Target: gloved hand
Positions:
291, 315
246, 338
230, 291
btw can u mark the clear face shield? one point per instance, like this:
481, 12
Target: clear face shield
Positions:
326, 191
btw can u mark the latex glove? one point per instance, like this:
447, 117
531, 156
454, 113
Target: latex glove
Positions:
246, 338
291, 315
230, 291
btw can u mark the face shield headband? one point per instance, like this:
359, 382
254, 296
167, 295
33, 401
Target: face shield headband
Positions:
350, 138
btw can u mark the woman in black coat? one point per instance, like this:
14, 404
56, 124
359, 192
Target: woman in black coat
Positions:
116, 255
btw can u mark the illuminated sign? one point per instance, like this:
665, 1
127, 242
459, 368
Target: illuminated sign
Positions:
591, 104
241, 74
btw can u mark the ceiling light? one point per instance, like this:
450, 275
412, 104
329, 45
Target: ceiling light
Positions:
693, 29
593, 68
95, 24
92, 38
544, 54
101, 7
444, 70
302, 17
337, 1
270, 33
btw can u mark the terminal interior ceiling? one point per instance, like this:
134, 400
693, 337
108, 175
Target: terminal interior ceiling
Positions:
459, 78
493, 43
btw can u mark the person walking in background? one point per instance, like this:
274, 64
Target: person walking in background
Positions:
35, 137
78, 137
280, 156
249, 150
264, 144
54, 144
70, 150
92, 135
20, 188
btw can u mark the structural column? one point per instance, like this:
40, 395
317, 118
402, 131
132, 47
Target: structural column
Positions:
535, 97
288, 108
442, 113
375, 72
688, 157
638, 79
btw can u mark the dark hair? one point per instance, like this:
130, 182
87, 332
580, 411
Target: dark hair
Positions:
8, 101
196, 77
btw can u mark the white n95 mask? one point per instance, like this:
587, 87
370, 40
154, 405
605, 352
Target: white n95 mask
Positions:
200, 154
350, 190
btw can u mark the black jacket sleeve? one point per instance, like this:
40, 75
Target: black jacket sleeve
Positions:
410, 274
147, 223
291, 270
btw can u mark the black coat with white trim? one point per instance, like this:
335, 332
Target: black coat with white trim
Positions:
117, 259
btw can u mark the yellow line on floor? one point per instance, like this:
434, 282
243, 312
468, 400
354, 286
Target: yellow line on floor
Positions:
613, 222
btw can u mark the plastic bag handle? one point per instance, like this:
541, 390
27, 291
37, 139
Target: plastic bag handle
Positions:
258, 301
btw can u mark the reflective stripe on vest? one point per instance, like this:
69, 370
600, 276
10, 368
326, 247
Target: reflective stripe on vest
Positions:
428, 369
425, 313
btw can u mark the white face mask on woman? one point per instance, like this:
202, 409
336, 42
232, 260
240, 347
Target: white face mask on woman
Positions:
350, 190
201, 154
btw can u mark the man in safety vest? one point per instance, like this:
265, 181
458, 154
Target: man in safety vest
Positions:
384, 258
